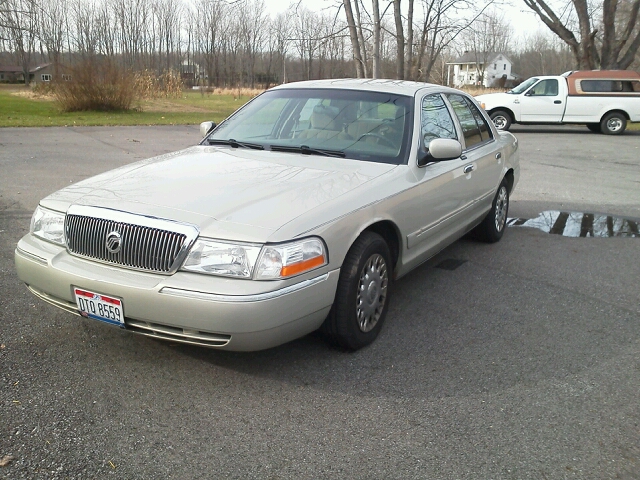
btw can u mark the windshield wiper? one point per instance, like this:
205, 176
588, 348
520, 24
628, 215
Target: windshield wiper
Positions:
235, 144
306, 150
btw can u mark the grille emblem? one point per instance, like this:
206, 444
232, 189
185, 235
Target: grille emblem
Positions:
114, 242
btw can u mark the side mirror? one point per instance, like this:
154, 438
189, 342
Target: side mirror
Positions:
206, 127
440, 149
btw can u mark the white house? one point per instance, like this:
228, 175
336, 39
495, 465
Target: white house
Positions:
480, 69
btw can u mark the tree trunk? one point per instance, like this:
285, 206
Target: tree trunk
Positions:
376, 39
355, 42
399, 40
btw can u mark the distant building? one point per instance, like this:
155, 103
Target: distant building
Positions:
39, 74
486, 69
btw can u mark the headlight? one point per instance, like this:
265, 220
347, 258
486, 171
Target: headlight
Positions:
289, 259
48, 225
269, 262
220, 258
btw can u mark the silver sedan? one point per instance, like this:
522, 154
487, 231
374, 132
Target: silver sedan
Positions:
296, 213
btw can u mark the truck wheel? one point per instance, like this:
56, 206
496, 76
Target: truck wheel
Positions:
501, 119
594, 127
613, 123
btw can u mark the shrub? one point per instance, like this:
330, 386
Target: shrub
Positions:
97, 84
167, 85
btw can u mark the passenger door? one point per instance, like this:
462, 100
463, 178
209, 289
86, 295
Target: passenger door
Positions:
481, 163
543, 102
431, 210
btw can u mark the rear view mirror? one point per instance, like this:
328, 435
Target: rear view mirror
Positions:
206, 127
440, 149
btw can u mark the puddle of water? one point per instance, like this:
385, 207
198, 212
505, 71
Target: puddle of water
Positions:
575, 224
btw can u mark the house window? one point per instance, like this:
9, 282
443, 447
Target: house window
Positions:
66, 77
46, 77
505, 66
495, 66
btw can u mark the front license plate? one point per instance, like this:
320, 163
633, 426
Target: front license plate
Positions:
99, 307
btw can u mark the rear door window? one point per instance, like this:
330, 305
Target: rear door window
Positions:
474, 126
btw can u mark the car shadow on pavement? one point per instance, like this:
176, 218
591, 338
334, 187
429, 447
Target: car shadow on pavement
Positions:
479, 327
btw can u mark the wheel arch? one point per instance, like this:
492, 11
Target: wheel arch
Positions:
616, 110
389, 231
503, 109
509, 177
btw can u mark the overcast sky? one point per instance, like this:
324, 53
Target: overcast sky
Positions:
522, 19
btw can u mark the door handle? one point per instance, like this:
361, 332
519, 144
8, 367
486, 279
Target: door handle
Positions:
498, 156
469, 168
557, 102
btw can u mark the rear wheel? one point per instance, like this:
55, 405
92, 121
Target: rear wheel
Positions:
493, 226
613, 123
362, 297
501, 119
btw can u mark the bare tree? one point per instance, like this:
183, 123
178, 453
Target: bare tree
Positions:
609, 38
489, 34
19, 18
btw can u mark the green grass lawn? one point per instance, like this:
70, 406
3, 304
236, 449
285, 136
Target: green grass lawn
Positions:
191, 108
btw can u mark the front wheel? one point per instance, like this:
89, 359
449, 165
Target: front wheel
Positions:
493, 226
613, 123
501, 119
362, 297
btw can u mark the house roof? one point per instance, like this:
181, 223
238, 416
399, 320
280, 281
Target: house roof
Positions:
18, 69
10, 69
39, 67
473, 58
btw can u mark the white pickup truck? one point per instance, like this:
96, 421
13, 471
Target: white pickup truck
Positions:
603, 100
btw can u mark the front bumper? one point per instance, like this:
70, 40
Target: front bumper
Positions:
184, 307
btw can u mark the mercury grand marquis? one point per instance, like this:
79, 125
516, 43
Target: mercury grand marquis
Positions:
296, 213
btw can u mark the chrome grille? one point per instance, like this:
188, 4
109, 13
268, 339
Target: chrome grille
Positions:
145, 243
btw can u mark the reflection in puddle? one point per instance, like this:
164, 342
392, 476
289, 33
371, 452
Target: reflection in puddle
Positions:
573, 224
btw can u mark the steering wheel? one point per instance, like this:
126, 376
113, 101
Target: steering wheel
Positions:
381, 140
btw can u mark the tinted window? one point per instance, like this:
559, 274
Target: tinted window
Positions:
436, 121
609, 86
485, 131
471, 130
545, 88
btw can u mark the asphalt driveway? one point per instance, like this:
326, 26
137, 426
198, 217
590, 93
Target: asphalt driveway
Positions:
514, 360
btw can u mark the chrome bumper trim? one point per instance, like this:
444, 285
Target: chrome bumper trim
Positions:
56, 302
174, 334
243, 298
31, 256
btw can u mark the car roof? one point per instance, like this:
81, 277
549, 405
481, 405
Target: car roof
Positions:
398, 87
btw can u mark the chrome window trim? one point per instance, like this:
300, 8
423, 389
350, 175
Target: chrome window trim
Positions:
259, 297
190, 231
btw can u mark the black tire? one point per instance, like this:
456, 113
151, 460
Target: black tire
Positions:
594, 127
495, 223
614, 123
359, 310
501, 119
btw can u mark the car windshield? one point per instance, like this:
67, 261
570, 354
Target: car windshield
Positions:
523, 86
353, 124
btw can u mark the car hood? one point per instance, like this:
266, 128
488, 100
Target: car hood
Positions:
226, 192
496, 99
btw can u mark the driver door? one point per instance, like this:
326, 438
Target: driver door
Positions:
543, 103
